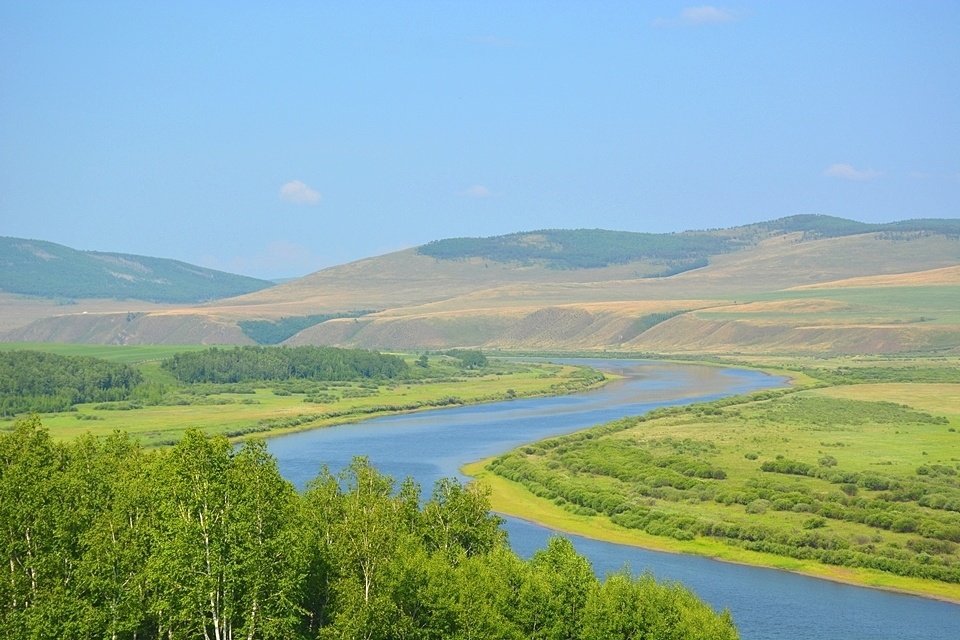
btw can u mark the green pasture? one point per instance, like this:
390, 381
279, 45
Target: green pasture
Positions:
856, 482
269, 409
114, 353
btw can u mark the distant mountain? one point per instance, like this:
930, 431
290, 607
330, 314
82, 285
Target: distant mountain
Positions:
49, 270
803, 284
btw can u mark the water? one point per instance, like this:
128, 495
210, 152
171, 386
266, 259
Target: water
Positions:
765, 603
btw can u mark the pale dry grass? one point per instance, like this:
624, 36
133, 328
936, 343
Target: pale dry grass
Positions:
944, 276
425, 303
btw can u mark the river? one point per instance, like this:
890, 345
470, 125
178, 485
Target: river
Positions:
766, 604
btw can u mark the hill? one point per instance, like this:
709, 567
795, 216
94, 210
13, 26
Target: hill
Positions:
674, 252
49, 270
800, 284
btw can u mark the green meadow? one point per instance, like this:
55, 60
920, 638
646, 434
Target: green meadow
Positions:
133, 354
272, 407
852, 476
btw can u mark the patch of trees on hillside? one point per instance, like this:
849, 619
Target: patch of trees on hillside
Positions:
585, 248
45, 382
676, 252
103, 539
832, 227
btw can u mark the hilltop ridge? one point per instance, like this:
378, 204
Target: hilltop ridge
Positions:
50, 270
798, 284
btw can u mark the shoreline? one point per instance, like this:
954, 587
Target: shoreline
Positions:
544, 513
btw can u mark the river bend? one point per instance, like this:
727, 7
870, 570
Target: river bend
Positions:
766, 604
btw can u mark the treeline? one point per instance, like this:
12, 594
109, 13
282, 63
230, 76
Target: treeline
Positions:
877, 375
252, 364
104, 539
832, 227
45, 382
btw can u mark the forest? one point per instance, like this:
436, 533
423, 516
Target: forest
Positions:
47, 382
584, 248
103, 538
249, 364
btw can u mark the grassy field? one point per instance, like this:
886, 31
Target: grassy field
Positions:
133, 354
855, 482
266, 409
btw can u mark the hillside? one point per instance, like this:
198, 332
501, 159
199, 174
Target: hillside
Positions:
48, 270
802, 284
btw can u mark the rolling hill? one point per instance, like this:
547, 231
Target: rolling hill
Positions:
49, 270
800, 284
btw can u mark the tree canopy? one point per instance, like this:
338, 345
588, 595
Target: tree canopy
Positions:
104, 539
249, 364
46, 382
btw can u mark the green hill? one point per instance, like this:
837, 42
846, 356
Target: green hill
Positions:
48, 270
810, 284
676, 252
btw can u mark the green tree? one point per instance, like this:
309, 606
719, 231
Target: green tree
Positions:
560, 582
31, 473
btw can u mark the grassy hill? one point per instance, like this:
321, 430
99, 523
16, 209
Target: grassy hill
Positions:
673, 252
48, 270
801, 284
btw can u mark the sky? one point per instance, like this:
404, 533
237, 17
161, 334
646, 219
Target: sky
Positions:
274, 139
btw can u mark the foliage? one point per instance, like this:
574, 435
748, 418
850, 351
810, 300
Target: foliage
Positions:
585, 248
469, 358
36, 381
102, 539
681, 487
37, 268
821, 226
245, 364
265, 332
881, 374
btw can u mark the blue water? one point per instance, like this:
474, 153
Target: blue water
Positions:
766, 604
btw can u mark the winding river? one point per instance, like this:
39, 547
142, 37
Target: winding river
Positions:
765, 603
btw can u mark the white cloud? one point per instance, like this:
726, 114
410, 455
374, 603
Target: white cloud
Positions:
297, 192
706, 15
476, 191
847, 172
692, 16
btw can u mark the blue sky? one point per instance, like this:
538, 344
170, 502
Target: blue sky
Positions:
274, 139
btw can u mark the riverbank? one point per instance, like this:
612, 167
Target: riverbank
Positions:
243, 411
512, 499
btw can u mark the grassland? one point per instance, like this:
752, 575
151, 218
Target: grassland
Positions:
265, 409
786, 289
856, 482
